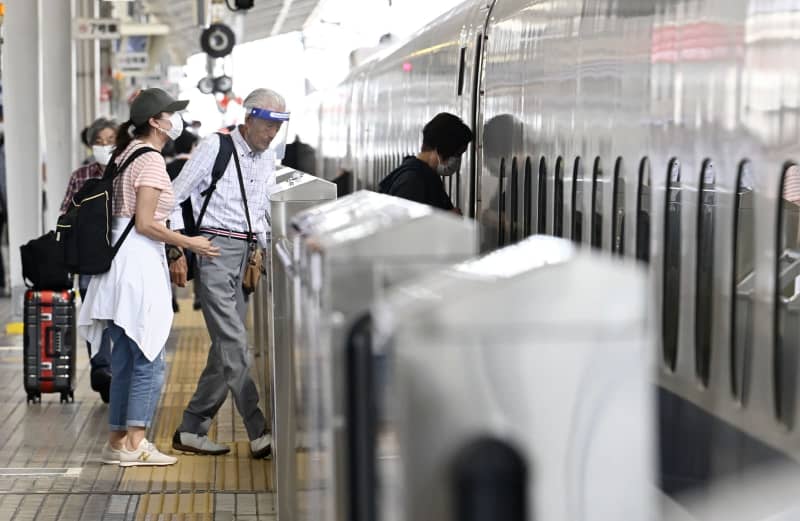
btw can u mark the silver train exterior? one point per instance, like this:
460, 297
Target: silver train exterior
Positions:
655, 129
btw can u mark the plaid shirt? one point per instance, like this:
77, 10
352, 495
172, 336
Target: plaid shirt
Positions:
76, 181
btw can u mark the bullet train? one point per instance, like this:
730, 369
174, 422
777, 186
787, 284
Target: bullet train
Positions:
662, 130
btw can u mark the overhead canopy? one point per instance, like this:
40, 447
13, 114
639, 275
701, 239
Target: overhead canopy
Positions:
267, 18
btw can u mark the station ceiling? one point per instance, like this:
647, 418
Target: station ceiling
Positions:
267, 18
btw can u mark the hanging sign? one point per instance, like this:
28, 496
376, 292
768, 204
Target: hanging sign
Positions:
96, 29
132, 61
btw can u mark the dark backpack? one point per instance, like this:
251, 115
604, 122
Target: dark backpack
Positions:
190, 227
85, 230
43, 265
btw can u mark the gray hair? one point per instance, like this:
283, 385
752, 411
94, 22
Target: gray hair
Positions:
98, 126
264, 98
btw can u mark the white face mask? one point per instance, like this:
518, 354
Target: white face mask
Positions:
176, 129
449, 167
102, 153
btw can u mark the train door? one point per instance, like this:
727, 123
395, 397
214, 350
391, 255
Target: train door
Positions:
470, 57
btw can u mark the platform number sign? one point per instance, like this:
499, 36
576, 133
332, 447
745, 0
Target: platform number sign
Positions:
96, 29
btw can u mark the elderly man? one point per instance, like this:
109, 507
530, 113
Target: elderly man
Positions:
249, 173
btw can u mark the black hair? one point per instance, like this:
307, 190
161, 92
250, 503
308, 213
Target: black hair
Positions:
185, 142
124, 136
446, 134
85, 137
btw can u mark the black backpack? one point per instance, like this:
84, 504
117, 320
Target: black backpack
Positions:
43, 265
190, 227
85, 230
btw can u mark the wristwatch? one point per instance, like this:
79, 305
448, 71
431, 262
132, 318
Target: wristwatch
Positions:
173, 253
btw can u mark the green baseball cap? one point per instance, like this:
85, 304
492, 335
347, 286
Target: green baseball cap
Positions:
152, 102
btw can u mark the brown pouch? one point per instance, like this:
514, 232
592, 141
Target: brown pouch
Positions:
252, 273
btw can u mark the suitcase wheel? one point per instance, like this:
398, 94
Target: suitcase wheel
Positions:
34, 398
67, 397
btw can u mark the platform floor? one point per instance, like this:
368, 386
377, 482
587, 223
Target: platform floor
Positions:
49, 452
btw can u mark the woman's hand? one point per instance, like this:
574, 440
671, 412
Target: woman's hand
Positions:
202, 246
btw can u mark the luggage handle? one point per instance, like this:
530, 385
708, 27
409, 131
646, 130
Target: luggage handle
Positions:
51, 347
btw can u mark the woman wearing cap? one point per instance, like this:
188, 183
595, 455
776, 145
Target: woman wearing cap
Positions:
132, 299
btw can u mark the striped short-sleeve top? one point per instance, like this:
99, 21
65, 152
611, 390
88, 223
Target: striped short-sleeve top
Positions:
150, 170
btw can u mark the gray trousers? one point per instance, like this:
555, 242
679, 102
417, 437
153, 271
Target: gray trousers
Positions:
219, 287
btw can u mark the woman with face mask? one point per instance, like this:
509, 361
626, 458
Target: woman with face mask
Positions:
131, 301
101, 134
418, 178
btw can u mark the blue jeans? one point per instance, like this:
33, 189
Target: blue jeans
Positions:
136, 385
102, 360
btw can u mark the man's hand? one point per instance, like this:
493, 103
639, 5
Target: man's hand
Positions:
178, 271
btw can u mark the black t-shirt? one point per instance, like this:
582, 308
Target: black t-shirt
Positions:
174, 167
416, 181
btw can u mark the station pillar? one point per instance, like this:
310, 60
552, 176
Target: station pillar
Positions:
58, 104
22, 91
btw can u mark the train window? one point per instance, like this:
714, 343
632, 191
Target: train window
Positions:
528, 199
514, 214
704, 282
618, 210
643, 212
672, 265
597, 205
558, 199
741, 326
501, 205
462, 57
541, 204
577, 201
787, 301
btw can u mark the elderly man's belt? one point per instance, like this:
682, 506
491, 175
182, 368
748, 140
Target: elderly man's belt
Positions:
244, 236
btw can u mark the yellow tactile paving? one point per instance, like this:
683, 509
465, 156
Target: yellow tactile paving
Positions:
189, 506
236, 471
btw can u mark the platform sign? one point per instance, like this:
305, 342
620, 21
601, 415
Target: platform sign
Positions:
128, 61
96, 29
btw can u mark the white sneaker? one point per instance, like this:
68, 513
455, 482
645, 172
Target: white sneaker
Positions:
197, 444
261, 447
145, 455
109, 455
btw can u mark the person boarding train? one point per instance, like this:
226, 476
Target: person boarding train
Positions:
236, 218
419, 178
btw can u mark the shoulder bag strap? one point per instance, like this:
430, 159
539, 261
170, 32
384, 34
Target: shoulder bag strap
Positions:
226, 149
244, 197
135, 154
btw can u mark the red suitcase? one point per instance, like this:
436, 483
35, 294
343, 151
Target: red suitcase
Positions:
49, 344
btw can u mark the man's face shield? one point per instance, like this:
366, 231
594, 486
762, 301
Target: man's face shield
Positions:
270, 129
